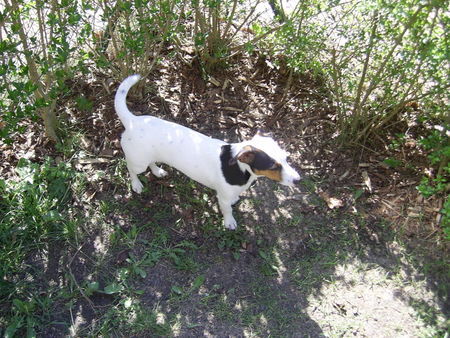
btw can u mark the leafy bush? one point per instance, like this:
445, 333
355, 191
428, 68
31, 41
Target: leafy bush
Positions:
219, 27
37, 52
386, 67
128, 37
300, 39
380, 59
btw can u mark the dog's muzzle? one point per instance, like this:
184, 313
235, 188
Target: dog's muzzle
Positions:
290, 177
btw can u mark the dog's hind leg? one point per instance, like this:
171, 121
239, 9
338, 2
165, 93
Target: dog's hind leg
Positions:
157, 171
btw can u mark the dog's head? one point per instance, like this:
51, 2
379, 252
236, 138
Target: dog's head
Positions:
264, 157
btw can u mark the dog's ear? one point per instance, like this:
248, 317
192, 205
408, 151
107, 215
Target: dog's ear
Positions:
246, 155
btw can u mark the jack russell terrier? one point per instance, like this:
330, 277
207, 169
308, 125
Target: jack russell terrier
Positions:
227, 168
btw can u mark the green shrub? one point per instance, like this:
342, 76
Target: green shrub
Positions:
437, 144
133, 34
378, 59
37, 49
218, 30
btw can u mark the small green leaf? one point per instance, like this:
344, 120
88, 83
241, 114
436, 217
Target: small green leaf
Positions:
141, 272
84, 104
92, 287
31, 332
198, 282
263, 255
12, 328
357, 194
392, 162
20, 306
177, 290
113, 288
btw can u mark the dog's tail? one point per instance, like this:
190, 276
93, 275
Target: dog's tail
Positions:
120, 100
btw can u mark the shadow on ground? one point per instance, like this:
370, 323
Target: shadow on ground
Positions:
293, 268
160, 264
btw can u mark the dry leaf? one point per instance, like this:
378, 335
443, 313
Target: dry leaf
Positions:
93, 160
332, 202
366, 180
231, 109
344, 175
214, 81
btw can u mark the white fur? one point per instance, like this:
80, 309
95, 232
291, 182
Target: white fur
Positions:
148, 140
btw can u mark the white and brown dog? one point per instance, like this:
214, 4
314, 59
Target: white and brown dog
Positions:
229, 169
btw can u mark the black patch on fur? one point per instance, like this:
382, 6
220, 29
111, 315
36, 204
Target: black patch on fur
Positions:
263, 161
232, 173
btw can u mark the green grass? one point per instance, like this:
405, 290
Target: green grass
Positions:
106, 251
323, 253
129, 316
35, 216
264, 308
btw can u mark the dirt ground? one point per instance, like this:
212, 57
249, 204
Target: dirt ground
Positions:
343, 254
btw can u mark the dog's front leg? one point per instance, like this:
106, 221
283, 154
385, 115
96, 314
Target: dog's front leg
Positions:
136, 184
225, 203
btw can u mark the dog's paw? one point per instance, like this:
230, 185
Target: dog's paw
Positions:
137, 186
230, 224
160, 173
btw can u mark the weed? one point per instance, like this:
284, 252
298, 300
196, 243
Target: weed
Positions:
184, 293
324, 255
398, 141
160, 247
270, 264
437, 325
392, 162
84, 104
223, 309
36, 215
294, 221
120, 175
130, 316
309, 184
180, 259
230, 240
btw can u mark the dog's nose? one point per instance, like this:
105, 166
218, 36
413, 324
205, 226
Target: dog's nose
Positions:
296, 180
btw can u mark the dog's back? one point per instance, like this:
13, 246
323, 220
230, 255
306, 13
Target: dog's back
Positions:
148, 139
192, 153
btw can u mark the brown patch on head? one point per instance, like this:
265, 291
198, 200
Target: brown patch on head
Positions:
260, 163
247, 155
273, 174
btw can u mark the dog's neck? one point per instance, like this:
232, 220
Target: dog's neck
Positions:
233, 173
